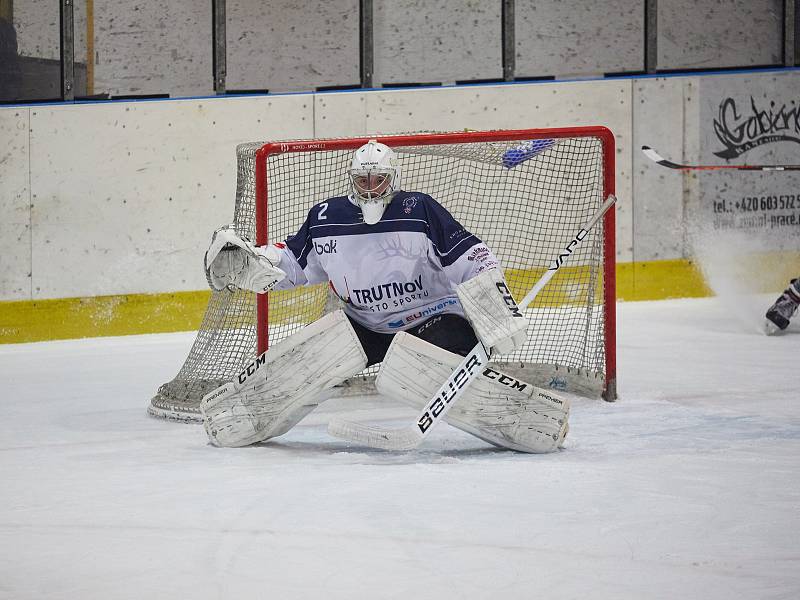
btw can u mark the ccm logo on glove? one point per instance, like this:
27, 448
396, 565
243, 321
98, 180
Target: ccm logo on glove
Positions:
508, 298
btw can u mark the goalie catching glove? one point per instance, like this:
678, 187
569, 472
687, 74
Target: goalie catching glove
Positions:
234, 262
492, 311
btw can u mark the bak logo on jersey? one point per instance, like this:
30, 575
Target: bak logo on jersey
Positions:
326, 248
457, 381
508, 298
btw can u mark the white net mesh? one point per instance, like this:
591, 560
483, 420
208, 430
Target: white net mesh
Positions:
526, 211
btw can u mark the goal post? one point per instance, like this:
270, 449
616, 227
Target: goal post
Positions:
520, 191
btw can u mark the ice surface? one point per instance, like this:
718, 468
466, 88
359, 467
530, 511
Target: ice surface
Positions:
688, 487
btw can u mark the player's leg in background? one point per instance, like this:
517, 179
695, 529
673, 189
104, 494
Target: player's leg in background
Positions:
451, 332
783, 309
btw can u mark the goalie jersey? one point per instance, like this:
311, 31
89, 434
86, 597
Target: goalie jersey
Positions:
391, 275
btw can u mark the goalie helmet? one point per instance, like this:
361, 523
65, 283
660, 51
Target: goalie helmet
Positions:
374, 178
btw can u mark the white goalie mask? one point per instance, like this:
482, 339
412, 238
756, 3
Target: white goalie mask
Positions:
374, 178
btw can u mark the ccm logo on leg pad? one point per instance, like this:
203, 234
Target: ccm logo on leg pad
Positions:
514, 384
252, 368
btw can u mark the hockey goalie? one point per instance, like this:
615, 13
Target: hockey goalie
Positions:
416, 310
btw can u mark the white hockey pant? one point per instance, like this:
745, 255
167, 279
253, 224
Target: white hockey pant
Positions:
280, 387
497, 408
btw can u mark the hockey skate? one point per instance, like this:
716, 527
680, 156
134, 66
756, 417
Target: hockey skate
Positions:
781, 312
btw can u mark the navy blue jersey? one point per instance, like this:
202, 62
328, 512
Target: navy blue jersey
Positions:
392, 274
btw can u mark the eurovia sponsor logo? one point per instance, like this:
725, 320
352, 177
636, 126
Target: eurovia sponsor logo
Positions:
558, 383
755, 126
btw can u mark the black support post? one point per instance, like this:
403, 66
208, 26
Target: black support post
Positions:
789, 33
67, 50
367, 47
651, 36
509, 40
220, 45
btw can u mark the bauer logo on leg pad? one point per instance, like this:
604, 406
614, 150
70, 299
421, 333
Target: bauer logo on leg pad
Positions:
449, 391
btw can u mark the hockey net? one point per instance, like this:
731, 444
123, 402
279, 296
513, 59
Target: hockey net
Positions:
524, 193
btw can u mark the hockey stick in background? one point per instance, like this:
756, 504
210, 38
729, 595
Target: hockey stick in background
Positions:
658, 159
464, 374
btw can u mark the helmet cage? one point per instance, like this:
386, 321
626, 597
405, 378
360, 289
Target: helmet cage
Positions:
374, 178
371, 184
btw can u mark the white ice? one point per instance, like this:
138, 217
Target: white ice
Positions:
688, 487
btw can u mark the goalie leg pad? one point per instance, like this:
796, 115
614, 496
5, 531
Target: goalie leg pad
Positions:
497, 408
280, 387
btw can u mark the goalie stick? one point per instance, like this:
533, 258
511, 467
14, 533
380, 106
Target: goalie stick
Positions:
464, 374
658, 159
